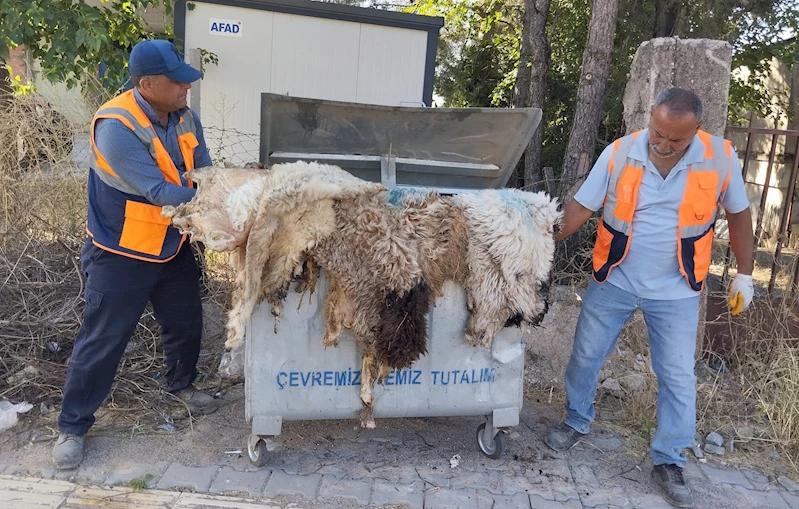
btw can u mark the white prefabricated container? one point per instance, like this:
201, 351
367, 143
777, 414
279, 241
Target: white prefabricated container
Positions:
299, 48
290, 375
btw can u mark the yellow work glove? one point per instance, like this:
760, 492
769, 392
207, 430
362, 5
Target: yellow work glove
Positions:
741, 293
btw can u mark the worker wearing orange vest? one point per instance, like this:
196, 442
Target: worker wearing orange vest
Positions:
143, 142
659, 189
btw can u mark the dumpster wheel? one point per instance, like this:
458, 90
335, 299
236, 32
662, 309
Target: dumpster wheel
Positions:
493, 448
256, 450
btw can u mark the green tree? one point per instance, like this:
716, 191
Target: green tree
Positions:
478, 54
478, 49
595, 73
70, 38
531, 87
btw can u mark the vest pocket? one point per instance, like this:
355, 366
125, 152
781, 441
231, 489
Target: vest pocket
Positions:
627, 193
702, 247
602, 248
699, 200
188, 142
144, 229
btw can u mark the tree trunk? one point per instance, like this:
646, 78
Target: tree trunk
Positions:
666, 14
5, 84
590, 96
531, 85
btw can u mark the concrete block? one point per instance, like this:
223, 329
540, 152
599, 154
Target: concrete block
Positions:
230, 481
487, 500
180, 476
281, 483
584, 476
700, 65
123, 474
770, 499
358, 491
537, 502
758, 480
384, 492
441, 498
487, 480
720, 476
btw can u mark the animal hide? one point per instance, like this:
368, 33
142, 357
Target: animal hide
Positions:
510, 248
387, 254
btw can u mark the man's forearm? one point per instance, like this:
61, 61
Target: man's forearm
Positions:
742, 240
574, 216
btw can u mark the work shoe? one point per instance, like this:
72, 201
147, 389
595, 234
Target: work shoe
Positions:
563, 437
199, 403
68, 451
671, 481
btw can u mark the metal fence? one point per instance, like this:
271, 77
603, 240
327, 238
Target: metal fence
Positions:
784, 229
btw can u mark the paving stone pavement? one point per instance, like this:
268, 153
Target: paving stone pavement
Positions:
230, 481
333, 465
267, 489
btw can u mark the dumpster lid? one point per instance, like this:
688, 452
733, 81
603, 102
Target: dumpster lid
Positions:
449, 148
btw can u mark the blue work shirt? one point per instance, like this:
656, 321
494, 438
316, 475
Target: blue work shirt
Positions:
131, 160
651, 270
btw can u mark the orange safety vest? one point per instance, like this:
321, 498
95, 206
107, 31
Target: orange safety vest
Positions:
697, 213
120, 220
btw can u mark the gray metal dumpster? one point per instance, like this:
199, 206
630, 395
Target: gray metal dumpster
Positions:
289, 374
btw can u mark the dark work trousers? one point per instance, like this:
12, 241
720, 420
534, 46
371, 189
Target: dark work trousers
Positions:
117, 291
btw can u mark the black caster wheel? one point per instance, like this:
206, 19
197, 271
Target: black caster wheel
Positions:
256, 450
494, 449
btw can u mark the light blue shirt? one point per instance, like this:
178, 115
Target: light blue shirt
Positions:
651, 270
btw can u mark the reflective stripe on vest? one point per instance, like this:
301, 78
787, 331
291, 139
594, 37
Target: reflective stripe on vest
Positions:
121, 220
697, 212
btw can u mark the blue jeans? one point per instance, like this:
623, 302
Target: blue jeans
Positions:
117, 291
672, 328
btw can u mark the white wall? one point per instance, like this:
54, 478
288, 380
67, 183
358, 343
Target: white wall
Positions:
301, 56
314, 57
391, 65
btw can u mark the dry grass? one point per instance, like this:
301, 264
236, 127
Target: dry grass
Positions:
777, 392
32, 135
42, 231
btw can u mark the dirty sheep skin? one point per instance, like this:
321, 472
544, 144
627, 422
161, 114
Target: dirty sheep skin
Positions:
510, 252
386, 253
275, 218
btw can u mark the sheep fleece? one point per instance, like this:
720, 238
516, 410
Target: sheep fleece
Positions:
387, 253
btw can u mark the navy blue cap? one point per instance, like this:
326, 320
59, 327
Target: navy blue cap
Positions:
155, 56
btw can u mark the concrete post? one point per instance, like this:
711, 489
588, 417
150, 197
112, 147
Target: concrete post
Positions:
700, 65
